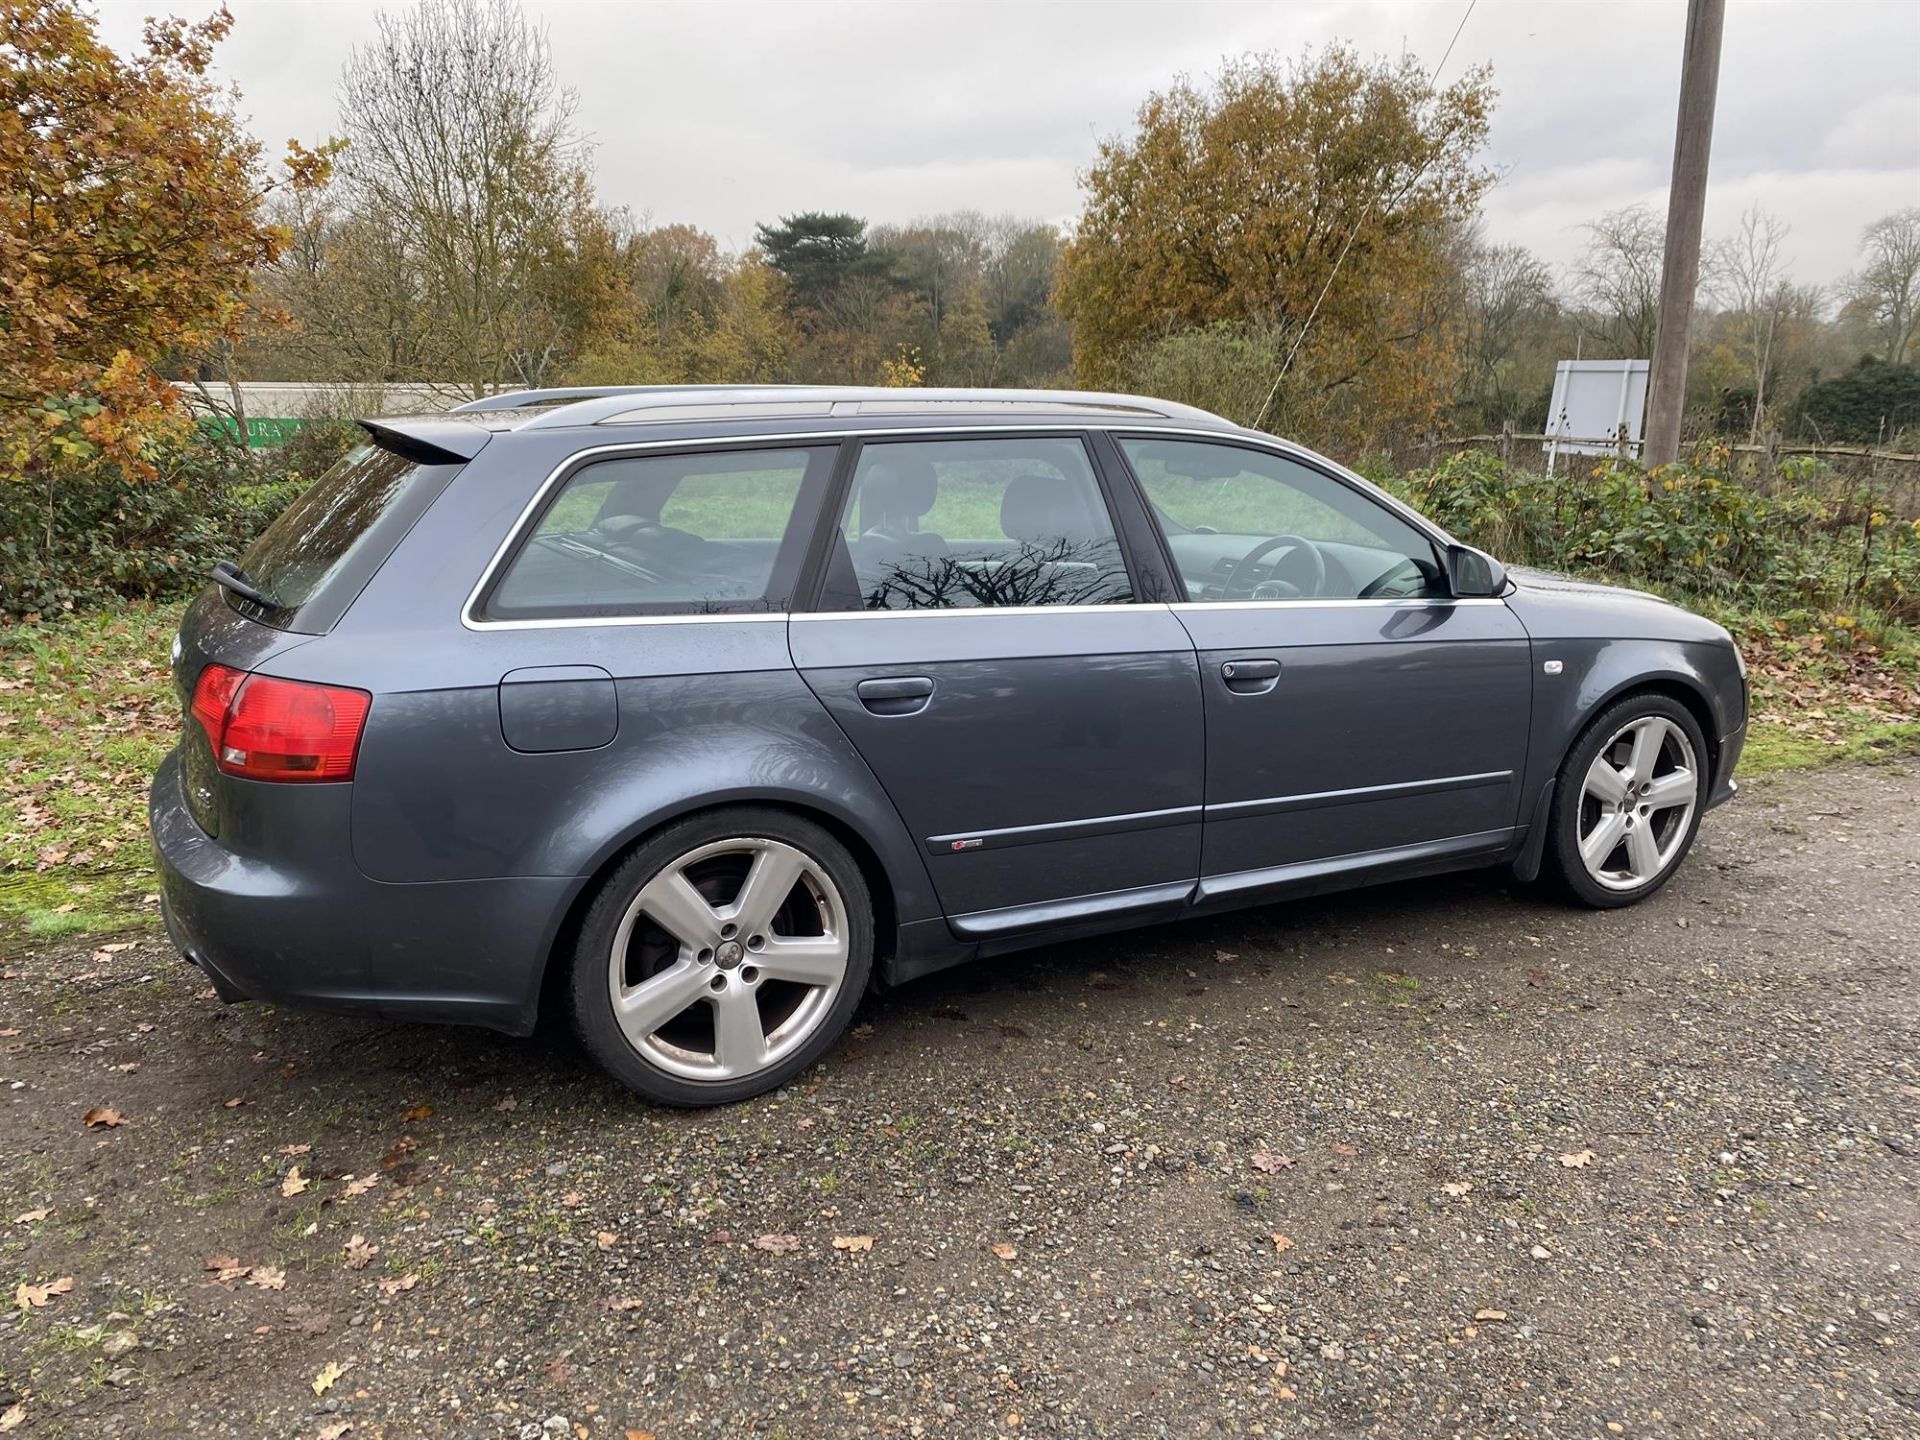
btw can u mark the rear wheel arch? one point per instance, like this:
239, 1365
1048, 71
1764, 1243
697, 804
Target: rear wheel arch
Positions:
566, 935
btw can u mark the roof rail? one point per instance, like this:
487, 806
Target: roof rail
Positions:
563, 394
670, 404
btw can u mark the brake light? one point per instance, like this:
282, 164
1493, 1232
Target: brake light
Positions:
264, 728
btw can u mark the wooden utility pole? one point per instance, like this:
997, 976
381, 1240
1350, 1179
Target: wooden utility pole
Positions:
1686, 203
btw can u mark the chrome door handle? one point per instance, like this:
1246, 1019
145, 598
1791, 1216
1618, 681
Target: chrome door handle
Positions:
896, 695
1255, 676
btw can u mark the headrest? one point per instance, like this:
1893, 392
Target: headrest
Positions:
1045, 508
899, 490
641, 493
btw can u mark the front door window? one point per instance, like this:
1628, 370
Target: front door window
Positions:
1248, 524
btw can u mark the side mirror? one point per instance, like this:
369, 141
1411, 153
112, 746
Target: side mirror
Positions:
1473, 574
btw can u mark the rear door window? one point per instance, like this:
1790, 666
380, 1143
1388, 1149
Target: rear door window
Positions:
971, 523
318, 556
667, 534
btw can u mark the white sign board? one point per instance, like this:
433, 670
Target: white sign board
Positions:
1592, 399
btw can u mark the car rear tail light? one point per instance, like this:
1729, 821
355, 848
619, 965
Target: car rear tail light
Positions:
287, 730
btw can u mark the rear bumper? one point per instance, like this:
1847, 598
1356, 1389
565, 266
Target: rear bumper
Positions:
309, 929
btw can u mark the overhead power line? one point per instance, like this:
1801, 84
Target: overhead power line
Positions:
1273, 392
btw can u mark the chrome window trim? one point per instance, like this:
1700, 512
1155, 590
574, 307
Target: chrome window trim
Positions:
1315, 604
1114, 607
471, 620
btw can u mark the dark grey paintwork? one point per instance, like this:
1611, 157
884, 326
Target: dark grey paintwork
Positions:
1005, 777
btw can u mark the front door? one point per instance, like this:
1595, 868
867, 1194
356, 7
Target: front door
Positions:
979, 642
1357, 715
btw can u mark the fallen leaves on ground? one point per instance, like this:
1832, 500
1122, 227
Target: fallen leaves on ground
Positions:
333, 1431
777, 1244
294, 1183
1281, 1244
417, 1112
1457, 1188
267, 1277
293, 1150
29, 1217
853, 1244
1577, 1159
1487, 1314
394, 1285
329, 1373
358, 1252
13, 1417
227, 1269
1005, 1251
1269, 1163
103, 1117
359, 1185
32, 1297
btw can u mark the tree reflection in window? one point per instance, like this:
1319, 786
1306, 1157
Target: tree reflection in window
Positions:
1051, 572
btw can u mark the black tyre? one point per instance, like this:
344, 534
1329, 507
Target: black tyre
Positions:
1628, 801
722, 957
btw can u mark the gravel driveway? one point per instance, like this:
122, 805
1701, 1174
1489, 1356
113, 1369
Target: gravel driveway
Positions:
1438, 1160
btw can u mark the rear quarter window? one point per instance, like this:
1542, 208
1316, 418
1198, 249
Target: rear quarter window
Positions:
316, 558
667, 534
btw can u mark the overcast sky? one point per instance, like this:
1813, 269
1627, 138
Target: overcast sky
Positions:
725, 114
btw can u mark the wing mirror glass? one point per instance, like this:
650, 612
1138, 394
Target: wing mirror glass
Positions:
1473, 574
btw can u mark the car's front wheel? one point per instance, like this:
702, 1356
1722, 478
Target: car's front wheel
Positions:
1628, 801
722, 957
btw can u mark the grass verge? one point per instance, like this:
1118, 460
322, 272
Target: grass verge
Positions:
86, 712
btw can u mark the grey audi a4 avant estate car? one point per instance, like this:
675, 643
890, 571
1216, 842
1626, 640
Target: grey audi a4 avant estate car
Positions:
698, 710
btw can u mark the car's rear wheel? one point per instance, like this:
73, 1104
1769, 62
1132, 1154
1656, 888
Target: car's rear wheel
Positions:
723, 957
1628, 801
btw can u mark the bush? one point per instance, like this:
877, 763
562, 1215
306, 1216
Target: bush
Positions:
1691, 531
1868, 405
90, 535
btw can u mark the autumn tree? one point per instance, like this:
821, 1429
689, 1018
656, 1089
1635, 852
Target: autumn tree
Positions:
1301, 203
130, 226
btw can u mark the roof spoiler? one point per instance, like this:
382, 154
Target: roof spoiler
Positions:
428, 439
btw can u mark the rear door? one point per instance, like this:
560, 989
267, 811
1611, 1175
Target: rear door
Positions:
980, 639
1357, 715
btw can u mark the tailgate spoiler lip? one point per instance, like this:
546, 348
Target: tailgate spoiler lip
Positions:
429, 439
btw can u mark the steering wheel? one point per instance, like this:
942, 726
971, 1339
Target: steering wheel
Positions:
1312, 577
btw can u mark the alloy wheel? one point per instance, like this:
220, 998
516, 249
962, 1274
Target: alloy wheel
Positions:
728, 959
1637, 802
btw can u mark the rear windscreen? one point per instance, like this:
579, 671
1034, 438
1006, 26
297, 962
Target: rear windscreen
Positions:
320, 553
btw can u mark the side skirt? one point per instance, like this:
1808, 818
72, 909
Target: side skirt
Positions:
930, 946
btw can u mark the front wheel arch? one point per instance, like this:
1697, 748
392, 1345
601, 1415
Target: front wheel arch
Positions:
1559, 855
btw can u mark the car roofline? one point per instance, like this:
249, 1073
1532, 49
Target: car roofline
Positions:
680, 404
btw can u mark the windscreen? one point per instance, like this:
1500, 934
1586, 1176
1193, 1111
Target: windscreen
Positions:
320, 553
